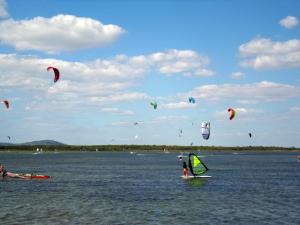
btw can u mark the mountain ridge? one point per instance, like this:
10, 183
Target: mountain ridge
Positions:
39, 142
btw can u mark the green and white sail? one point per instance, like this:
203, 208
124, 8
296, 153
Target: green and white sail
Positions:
197, 167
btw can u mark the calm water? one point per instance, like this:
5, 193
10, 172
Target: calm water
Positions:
120, 188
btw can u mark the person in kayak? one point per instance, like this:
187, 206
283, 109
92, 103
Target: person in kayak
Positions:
3, 172
185, 168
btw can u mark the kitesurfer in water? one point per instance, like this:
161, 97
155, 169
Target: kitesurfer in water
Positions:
3, 172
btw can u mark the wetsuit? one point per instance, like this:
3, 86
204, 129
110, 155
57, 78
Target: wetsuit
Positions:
185, 169
3, 172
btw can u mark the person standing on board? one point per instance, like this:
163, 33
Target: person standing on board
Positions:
184, 165
3, 172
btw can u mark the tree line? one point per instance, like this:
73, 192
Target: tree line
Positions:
166, 148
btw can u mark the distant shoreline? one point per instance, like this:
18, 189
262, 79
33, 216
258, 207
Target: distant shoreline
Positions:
129, 148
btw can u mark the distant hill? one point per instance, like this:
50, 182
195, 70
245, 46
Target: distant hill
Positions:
5, 144
41, 142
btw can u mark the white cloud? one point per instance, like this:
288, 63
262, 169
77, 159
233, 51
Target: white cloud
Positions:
267, 46
119, 97
101, 81
204, 73
118, 111
247, 101
92, 83
29, 71
295, 109
3, 11
178, 105
58, 33
170, 119
187, 62
289, 22
238, 75
166, 119
121, 123
264, 91
262, 53
82, 80
247, 111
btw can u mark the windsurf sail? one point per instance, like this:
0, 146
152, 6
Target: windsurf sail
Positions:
205, 129
197, 167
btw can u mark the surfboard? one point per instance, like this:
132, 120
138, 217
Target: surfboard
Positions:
27, 176
195, 177
181, 156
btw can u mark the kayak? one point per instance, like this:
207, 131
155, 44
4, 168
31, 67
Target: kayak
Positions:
27, 176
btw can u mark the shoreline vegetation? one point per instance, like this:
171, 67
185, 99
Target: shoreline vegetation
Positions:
134, 148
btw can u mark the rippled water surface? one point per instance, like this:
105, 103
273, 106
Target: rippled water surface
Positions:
146, 188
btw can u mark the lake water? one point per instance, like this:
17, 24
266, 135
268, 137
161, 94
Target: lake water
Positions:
124, 188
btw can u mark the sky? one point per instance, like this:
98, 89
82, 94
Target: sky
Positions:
116, 57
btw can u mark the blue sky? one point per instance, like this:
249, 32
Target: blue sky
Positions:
115, 57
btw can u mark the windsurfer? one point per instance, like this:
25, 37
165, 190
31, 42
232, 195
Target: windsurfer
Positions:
185, 168
3, 172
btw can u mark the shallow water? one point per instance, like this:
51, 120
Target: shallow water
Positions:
124, 188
